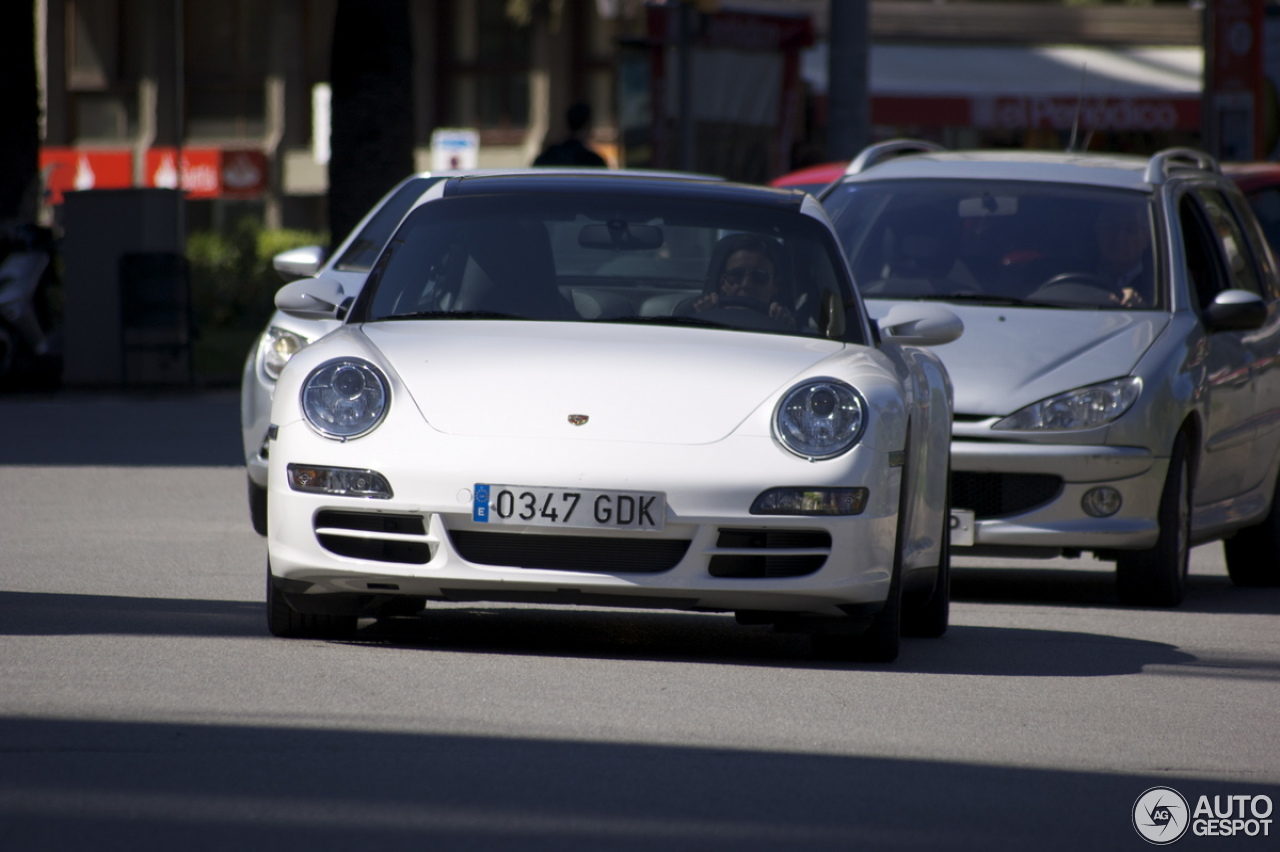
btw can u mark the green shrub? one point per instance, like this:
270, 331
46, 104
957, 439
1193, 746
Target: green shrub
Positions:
232, 281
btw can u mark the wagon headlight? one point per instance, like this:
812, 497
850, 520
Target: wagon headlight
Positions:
345, 398
1082, 408
820, 419
280, 345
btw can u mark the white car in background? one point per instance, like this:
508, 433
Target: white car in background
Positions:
286, 335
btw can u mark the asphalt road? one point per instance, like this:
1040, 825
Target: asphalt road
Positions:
143, 706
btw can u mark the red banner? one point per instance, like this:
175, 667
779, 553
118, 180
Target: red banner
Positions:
205, 172
67, 169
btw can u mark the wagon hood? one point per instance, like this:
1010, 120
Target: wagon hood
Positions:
632, 383
1010, 357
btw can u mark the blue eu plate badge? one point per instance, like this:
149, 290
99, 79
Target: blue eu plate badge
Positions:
480, 506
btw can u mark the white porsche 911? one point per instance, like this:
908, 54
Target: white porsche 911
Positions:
613, 390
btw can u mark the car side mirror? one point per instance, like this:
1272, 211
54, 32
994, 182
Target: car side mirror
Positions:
311, 298
920, 324
1235, 310
298, 263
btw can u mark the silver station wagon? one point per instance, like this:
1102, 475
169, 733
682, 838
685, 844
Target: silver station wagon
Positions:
1117, 387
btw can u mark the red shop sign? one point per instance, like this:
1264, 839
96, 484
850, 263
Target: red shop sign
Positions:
67, 169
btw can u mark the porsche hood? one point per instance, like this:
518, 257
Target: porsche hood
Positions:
612, 382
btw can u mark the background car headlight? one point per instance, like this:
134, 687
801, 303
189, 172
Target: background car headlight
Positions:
345, 398
281, 345
1082, 408
820, 419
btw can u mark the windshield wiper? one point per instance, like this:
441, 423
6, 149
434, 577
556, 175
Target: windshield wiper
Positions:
991, 299
452, 315
668, 320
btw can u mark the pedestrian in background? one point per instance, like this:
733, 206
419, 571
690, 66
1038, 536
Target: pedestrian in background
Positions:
573, 151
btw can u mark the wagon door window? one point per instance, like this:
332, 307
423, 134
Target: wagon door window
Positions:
1205, 273
1242, 271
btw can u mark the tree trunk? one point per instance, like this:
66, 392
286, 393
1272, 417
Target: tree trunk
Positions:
371, 141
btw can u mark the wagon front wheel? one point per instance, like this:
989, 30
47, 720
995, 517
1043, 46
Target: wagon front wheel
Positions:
1158, 576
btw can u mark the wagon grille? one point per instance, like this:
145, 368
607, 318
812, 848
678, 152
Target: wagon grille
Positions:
376, 536
767, 560
569, 552
994, 495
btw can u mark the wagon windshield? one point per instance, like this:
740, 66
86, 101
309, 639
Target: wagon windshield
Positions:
999, 242
604, 259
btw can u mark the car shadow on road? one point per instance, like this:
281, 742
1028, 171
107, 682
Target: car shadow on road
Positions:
714, 639
602, 634
173, 428
48, 614
1093, 588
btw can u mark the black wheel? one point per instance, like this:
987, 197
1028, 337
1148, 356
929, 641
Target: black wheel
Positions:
285, 621
258, 507
1253, 554
881, 641
930, 617
8, 352
1158, 576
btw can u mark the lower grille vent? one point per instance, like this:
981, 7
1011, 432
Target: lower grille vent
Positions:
329, 525
994, 495
570, 553
765, 565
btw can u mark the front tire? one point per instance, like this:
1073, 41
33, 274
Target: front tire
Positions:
286, 622
1253, 554
881, 641
258, 507
929, 618
1158, 576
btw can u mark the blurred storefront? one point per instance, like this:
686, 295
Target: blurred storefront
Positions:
225, 99
228, 99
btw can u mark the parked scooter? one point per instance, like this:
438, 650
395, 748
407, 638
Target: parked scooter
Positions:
30, 349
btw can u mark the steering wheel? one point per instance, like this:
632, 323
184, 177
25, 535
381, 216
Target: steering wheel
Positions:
1075, 288
743, 302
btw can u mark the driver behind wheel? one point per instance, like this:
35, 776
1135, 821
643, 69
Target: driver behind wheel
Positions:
744, 271
1123, 236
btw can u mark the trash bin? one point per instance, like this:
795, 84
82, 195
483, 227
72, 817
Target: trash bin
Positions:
100, 227
155, 318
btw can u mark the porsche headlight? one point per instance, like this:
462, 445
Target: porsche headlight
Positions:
1082, 408
281, 345
345, 398
820, 419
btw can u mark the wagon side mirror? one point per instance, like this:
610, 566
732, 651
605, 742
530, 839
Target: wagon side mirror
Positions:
1235, 310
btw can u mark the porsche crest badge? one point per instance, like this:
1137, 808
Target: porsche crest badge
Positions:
578, 419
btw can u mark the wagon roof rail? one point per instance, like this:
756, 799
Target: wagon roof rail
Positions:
881, 151
1163, 163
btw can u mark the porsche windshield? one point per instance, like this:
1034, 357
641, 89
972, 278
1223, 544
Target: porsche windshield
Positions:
599, 258
999, 242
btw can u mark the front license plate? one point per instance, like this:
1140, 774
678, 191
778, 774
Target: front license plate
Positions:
537, 506
962, 528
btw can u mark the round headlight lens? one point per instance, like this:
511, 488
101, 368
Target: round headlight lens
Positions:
345, 398
820, 419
